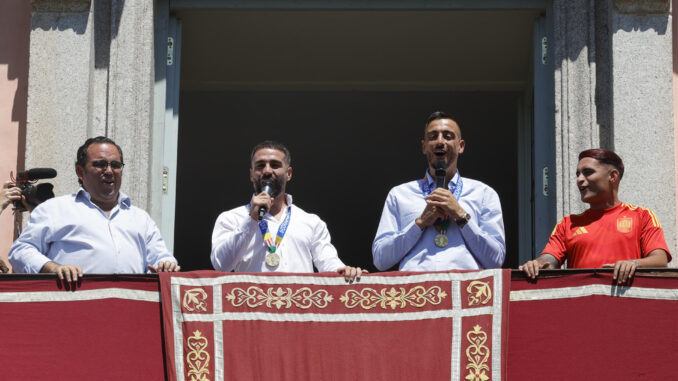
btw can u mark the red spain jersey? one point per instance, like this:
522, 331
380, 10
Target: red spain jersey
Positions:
597, 237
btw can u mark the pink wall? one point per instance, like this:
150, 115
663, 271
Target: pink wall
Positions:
15, 18
674, 29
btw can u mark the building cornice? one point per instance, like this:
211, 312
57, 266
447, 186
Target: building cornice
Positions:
642, 6
61, 6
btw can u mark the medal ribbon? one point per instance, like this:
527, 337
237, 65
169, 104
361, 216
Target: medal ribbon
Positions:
263, 226
428, 187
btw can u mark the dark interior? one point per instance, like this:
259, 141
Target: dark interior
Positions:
348, 149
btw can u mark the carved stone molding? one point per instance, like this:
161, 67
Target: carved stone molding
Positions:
61, 6
642, 6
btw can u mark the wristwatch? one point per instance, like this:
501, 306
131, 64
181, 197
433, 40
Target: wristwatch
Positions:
463, 220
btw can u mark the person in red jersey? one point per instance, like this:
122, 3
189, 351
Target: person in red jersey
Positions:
610, 233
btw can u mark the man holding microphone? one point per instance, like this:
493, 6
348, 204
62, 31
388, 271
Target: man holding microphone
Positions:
443, 221
271, 234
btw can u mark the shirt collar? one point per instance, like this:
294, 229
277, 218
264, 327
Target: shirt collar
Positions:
431, 182
123, 199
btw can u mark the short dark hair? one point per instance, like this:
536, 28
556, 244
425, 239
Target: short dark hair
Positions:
436, 115
274, 145
606, 157
81, 155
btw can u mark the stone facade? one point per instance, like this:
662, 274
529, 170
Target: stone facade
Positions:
92, 72
642, 90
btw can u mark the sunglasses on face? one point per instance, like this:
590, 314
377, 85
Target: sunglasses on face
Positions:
103, 164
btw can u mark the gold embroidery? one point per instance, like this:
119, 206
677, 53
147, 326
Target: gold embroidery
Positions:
369, 298
194, 300
478, 355
302, 298
479, 292
198, 359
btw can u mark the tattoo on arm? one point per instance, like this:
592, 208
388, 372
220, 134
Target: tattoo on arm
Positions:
550, 259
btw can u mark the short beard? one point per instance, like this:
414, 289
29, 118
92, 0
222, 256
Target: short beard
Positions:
276, 186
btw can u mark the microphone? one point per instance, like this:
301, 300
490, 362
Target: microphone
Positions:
36, 174
267, 186
440, 173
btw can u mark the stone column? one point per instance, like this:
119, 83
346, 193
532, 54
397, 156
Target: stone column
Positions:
643, 106
130, 93
60, 69
576, 125
91, 73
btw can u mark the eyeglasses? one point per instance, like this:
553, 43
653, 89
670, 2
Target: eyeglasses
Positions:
103, 164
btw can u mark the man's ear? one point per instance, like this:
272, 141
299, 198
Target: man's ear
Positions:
289, 173
251, 175
614, 176
80, 171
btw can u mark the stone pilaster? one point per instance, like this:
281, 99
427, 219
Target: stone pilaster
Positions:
130, 93
91, 73
576, 125
58, 87
642, 78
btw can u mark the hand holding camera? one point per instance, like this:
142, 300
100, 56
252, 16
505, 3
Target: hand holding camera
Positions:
23, 191
8, 194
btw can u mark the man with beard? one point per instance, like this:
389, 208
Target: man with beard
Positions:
270, 234
96, 230
610, 233
458, 226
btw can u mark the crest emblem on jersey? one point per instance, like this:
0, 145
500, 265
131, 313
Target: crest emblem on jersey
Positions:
624, 224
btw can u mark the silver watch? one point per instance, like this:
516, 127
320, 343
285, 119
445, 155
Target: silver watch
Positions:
463, 220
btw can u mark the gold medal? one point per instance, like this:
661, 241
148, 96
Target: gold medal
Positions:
272, 259
440, 240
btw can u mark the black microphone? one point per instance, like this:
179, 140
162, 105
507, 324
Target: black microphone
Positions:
440, 173
36, 174
267, 186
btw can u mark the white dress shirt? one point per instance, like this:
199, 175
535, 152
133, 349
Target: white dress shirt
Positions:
480, 244
238, 245
72, 230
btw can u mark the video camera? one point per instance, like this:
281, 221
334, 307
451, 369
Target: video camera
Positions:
34, 194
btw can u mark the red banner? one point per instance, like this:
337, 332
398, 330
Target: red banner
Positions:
583, 327
388, 326
395, 326
107, 329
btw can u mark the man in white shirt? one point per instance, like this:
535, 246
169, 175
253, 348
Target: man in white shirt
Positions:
95, 230
457, 226
270, 234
